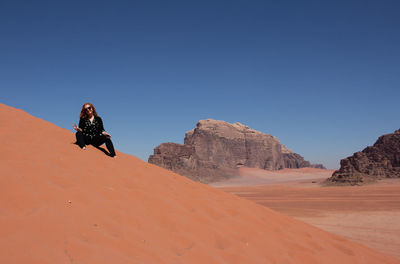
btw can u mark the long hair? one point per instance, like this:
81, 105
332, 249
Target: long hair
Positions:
83, 111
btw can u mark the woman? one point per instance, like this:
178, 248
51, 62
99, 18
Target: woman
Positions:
91, 130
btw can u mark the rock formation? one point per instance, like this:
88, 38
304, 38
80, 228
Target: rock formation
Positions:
215, 149
382, 160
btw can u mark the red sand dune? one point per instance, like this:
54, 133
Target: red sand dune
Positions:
60, 204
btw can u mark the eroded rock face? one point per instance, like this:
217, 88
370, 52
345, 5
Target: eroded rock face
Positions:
382, 160
215, 149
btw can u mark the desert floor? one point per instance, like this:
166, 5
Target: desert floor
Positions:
367, 214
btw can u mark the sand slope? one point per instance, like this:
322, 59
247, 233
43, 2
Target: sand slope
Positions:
59, 204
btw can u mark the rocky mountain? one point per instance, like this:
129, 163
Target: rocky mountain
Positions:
215, 149
382, 160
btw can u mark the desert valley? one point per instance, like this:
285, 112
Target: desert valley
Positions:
60, 204
200, 132
368, 214
360, 201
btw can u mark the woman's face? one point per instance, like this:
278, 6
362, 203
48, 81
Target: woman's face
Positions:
88, 109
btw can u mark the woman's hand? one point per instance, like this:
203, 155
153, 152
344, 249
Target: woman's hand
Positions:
77, 128
106, 134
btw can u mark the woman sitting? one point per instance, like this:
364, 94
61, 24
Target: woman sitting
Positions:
91, 130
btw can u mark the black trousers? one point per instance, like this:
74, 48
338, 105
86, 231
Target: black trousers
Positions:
96, 141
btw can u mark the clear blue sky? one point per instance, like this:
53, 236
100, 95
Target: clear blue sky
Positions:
322, 76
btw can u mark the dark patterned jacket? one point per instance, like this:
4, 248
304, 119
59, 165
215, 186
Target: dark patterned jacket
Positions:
91, 129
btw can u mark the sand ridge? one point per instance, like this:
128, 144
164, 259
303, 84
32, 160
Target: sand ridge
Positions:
59, 204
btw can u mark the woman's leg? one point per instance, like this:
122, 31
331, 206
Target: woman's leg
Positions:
80, 140
100, 140
110, 147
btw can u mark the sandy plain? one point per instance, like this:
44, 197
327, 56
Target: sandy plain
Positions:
367, 214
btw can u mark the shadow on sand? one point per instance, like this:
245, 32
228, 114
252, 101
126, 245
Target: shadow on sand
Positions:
98, 147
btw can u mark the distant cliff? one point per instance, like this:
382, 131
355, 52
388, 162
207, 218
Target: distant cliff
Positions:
382, 160
215, 149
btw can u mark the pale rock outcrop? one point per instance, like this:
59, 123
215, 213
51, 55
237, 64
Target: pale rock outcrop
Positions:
215, 149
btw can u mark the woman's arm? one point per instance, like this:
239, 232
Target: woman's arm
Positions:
79, 129
81, 124
101, 124
102, 128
